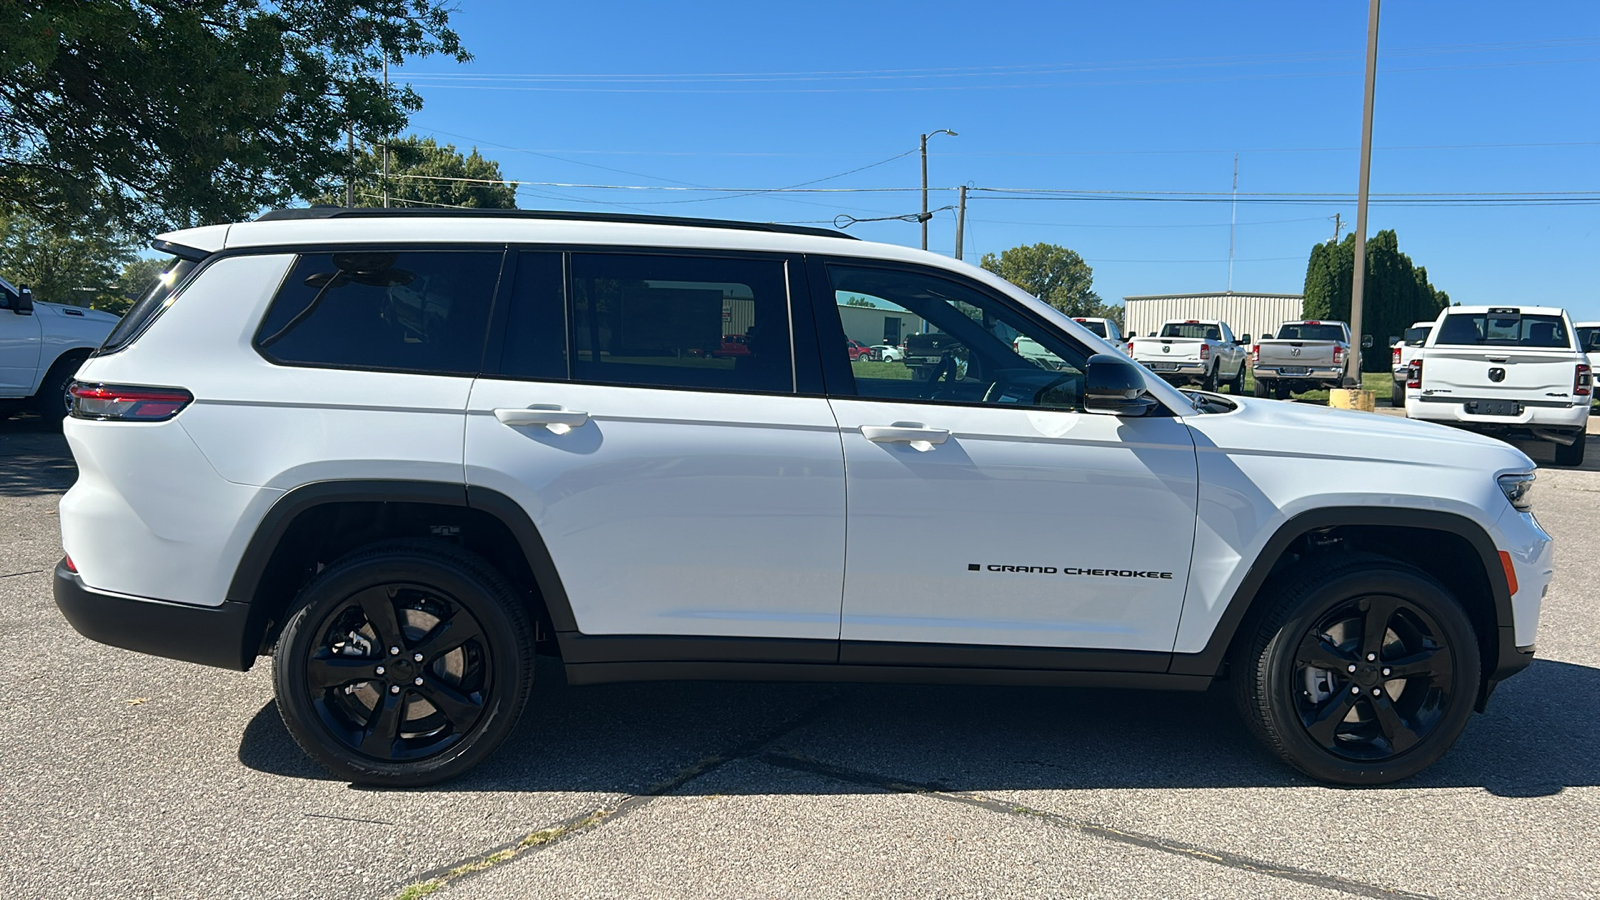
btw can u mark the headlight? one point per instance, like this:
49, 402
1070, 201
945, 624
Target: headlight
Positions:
1519, 490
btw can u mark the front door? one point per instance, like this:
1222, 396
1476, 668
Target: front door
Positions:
19, 347
985, 507
680, 485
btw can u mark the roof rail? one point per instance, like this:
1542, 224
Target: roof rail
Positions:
340, 212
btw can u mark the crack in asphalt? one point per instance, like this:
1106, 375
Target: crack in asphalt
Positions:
795, 762
435, 879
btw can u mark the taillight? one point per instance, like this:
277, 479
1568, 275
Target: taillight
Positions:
1338, 356
1205, 352
1583, 382
1255, 354
1130, 348
67, 561
1414, 375
117, 403
1395, 357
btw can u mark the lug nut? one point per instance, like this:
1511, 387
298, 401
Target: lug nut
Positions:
1354, 689
394, 688
416, 657
395, 651
1371, 657
1386, 671
1376, 692
1352, 667
379, 670
418, 681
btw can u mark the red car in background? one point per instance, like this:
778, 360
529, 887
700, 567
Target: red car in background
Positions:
858, 350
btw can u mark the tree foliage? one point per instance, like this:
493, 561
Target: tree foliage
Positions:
1397, 292
423, 173
1054, 274
165, 113
78, 265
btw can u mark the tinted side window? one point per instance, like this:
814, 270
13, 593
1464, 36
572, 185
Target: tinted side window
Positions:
969, 346
535, 330
673, 321
414, 311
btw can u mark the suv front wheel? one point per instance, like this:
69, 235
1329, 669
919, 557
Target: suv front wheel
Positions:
406, 664
1363, 672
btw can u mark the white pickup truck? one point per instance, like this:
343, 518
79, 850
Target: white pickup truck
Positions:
1194, 351
1306, 355
1402, 354
1507, 371
1589, 342
41, 347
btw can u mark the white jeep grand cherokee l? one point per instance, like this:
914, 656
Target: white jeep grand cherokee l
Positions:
403, 451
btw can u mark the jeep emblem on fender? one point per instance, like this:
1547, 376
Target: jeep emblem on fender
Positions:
1497, 374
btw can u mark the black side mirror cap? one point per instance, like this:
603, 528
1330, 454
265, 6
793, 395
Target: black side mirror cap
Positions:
24, 301
1114, 385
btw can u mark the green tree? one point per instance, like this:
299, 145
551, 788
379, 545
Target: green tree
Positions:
1397, 291
423, 173
79, 266
1052, 273
136, 278
860, 301
164, 113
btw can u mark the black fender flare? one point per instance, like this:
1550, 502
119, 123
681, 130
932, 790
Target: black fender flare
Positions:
1509, 659
252, 567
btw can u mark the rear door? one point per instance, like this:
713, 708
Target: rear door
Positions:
643, 411
1498, 362
987, 512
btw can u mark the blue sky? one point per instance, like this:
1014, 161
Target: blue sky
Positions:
1473, 98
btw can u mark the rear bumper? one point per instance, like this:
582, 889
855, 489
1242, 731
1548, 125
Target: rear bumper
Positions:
1310, 374
209, 635
1535, 413
1176, 370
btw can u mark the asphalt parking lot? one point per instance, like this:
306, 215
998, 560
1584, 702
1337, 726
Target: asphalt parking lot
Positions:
131, 776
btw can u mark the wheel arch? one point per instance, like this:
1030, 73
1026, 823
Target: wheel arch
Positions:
1449, 547
312, 524
72, 351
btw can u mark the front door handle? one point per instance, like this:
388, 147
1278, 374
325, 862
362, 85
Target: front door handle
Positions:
559, 419
916, 434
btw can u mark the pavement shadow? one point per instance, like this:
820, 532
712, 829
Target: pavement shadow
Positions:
34, 458
628, 738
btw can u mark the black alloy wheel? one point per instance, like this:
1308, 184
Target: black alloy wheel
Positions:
53, 402
1364, 672
407, 664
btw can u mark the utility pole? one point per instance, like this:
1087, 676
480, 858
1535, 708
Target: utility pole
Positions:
350, 173
1358, 281
924, 217
1233, 220
386, 135
1337, 225
961, 217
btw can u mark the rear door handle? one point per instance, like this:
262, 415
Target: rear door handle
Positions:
912, 433
558, 418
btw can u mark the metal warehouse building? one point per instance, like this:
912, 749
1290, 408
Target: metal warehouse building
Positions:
1252, 314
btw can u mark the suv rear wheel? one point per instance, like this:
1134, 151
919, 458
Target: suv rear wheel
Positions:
406, 664
1364, 672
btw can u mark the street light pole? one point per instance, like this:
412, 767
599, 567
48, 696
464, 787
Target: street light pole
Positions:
924, 147
1359, 276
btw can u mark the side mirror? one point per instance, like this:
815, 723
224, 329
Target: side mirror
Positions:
1114, 386
24, 301
1366, 342
1243, 339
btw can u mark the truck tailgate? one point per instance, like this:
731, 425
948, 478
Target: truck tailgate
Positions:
1297, 353
1498, 373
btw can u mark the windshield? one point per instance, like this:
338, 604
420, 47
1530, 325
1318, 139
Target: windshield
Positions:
1191, 330
1308, 331
1503, 329
1587, 337
1416, 337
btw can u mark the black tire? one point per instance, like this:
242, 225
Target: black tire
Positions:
1261, 388
52, 402
1397, 396
1236, 386
1571, 455
1209, 382
1280, 391
472, 683
1322, 612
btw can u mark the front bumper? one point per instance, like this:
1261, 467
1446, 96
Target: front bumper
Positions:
209, 635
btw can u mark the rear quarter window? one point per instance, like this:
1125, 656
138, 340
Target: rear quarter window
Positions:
157, 297
406, 311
